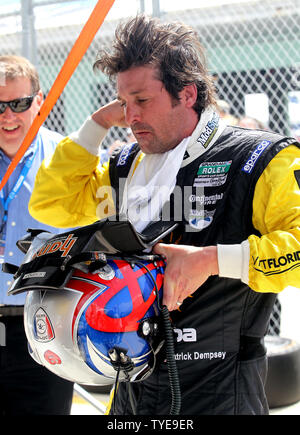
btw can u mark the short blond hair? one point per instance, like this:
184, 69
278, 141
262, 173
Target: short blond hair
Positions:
12, 67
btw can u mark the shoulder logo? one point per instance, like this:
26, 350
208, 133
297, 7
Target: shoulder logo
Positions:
251, 162
124, 154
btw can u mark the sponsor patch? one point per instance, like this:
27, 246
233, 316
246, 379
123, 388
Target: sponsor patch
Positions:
124, 154
276, 266
210, 130
43, 330
251, 162
186, 334
212, 174
206, 200
34, 275
200, 219
63, 245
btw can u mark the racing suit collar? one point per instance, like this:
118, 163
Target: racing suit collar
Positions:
206, 133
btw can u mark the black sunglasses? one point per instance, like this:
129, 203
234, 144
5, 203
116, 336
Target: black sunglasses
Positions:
18, 105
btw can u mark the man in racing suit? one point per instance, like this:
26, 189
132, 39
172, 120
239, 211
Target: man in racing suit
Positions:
234, 193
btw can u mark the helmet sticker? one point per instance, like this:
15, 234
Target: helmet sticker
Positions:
63, 245
52, 358
43, 330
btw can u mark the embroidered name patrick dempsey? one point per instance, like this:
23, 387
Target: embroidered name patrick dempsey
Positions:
199, 355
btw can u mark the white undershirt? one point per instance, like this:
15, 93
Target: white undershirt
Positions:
233, 259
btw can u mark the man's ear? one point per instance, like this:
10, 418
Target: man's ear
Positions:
39, 98
189, 95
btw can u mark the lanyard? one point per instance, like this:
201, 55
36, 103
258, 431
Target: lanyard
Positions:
74, 57
15, 190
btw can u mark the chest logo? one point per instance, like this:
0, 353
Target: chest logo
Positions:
212, 174
124, 154
186, 334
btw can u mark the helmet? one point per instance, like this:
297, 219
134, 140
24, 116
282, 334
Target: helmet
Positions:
99, 323
93, 311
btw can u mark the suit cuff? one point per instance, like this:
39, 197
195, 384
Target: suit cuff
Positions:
234, 261
89, 136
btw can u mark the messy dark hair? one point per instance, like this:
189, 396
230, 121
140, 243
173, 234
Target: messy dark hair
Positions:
173, 49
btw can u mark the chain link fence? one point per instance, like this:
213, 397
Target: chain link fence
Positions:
252, 48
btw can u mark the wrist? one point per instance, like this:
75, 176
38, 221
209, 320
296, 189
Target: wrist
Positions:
234, 261
214, 260
101, 118
110, 115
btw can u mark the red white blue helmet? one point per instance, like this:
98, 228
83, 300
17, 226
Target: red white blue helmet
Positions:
99, 323
93, 311
90, 317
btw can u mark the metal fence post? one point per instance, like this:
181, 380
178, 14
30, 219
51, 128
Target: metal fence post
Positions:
28, 31
156, 8
142, 6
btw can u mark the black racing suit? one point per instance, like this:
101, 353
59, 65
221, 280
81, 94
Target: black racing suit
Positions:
219, 350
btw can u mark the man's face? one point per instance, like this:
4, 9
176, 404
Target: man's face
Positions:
158, 122
14, 126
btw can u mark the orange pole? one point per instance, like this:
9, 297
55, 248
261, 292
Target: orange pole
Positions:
82, 43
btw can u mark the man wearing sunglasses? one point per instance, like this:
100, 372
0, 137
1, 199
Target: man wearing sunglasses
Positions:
26, 388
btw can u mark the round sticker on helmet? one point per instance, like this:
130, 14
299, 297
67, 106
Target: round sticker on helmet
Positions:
52, 358
107, 272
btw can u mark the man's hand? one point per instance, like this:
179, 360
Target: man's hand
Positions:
110, 115
188, 267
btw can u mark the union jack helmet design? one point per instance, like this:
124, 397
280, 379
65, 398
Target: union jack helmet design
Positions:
100, 323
